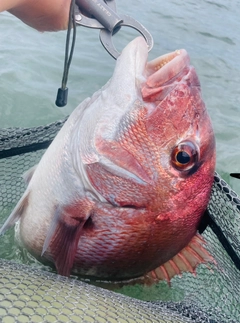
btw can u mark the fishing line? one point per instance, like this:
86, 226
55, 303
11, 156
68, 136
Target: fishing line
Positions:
62, 94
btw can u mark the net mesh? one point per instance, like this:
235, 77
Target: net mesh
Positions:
212, 296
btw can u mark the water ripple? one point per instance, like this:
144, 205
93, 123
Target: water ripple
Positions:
225, 39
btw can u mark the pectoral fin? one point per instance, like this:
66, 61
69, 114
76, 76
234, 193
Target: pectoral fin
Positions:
27, 176
186, 260
21, 205
64, 233
16, 213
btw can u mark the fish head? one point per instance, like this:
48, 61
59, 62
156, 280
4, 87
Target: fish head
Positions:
154, 140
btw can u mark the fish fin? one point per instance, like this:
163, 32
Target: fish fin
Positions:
64, 233
16, 213
185, 261
27, 176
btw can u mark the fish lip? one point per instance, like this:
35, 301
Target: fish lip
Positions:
162, 69
163, 74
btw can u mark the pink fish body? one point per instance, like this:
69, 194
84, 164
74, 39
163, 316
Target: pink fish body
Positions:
121, 190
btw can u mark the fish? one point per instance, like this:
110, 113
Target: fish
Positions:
121, 190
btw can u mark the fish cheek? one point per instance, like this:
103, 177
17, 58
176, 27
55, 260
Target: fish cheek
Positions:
194, 194
117, 190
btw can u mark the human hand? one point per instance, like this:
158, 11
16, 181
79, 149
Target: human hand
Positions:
44, 15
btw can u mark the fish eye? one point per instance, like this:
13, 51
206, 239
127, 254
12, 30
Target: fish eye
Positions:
184, 156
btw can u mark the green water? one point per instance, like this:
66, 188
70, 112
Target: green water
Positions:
31, 70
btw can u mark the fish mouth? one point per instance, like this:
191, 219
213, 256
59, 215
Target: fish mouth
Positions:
162, 72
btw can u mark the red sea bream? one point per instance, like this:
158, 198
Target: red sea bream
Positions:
120, 192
